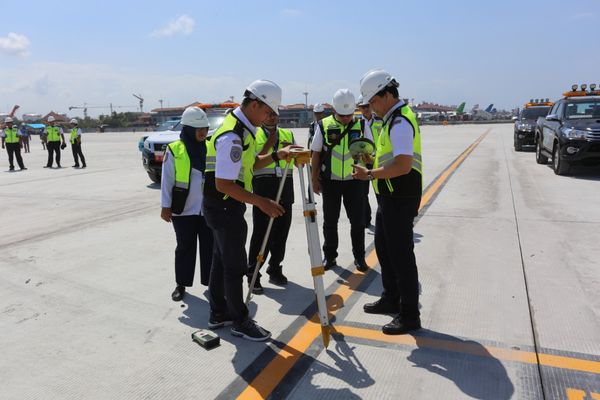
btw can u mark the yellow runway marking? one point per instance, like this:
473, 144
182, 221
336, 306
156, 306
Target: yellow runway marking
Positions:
268, 379
547, 360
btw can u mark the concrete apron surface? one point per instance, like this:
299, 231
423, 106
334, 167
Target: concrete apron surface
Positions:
507, 254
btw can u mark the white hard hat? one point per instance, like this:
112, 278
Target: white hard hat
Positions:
7, 120
343, 102
318, 108
361, 101
374, 81
74, 121
51, 119
194, 117
268, 92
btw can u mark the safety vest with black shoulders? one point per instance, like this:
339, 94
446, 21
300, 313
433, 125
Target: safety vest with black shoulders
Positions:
286, 137
53, 134
336, 159
74, 133
11, 135
230, 125
411, 184
183, 173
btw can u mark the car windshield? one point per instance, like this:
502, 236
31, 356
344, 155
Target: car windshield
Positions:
214, 121
534, 113
583, 109
167, 125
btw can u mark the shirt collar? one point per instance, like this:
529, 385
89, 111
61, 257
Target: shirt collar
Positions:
242, 117
396, 106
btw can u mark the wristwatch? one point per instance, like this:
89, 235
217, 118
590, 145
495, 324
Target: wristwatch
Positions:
274, 156
370, 174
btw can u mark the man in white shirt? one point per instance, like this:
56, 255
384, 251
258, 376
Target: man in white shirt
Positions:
397, 181
75, 139
55, 138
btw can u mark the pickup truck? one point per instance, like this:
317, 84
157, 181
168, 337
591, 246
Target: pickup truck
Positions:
525, 124
570, 133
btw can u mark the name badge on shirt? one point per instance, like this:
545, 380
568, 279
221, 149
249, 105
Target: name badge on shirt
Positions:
278, 171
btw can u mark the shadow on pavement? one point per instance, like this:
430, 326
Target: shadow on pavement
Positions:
467, 363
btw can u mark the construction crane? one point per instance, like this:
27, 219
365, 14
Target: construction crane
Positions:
141, 99
85, 108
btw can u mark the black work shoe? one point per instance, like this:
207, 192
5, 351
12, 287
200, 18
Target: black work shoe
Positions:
75, 166
11, 168
276, 277
400, 326
250, 330
178, 293
24, 169
361, 265
329, 264
258, 288
83, 166
47, 166
219, 320
58, 166
382, 306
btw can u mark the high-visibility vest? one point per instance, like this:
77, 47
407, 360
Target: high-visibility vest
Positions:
285, 136
183, 172
74, 135
53, 134
411, 184
11, 135
336, 159
376, 125
230, 124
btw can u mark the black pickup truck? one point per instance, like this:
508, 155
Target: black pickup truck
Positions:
570, 133
526, 122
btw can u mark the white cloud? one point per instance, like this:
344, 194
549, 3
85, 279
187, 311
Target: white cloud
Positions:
180, 26
14, 44
290, 12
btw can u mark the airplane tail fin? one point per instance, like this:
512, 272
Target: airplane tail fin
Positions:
461, 108
489, 108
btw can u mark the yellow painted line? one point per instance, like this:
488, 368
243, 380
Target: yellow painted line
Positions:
268, 379
548, 360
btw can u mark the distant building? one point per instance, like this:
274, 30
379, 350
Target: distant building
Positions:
298, 116
58, 118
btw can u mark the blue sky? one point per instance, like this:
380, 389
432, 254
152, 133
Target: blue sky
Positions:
56, 54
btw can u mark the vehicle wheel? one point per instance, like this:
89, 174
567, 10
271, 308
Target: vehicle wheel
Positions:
518, 146
154, 178
539, 157
561, 167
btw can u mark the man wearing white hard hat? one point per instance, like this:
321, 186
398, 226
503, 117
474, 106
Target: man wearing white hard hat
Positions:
75, 140
54, 138
319, 114
397, 180
181, 200
231, 159
11, 140
332, 175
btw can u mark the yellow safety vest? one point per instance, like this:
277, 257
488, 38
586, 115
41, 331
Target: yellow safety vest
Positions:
230, 124
336, 159
74, 135
376, 125
183, 171
11, 135
285, 136
53, 134
411, 184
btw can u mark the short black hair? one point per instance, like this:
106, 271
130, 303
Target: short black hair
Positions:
393, 90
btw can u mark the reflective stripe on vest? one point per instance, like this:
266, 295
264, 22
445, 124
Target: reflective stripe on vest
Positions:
11, 135
183, 165
337, 164
230, 125
384, 155
285, 136
53, 134
74, 135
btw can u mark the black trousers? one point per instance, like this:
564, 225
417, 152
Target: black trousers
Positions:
277, 239
77, 153
191, 231
367, 205
53, 147
352, 195
395, 251
229, 262
14, 150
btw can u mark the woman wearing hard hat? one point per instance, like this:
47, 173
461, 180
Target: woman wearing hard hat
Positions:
397, 181
181, 200
75, 140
